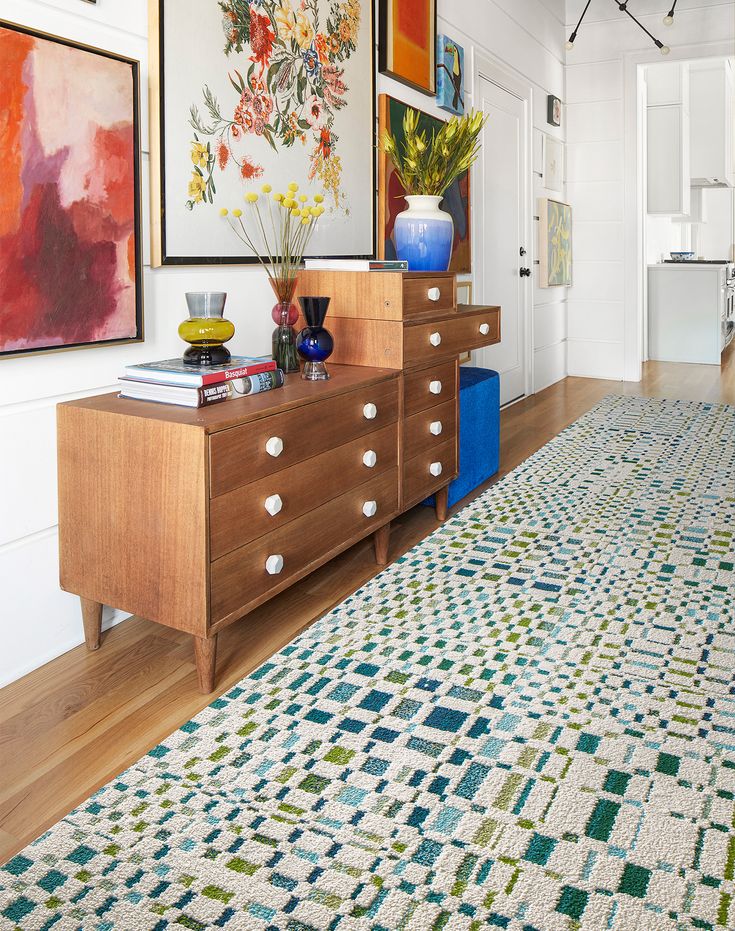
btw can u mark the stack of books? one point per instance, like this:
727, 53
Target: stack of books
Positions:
174, 382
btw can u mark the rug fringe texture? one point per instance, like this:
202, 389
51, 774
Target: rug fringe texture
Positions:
525, 723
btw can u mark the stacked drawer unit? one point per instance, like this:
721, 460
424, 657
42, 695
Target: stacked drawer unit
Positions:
410, 321
192, 518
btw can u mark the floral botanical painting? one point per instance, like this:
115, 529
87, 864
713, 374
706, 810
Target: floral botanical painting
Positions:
391, 193
449, 75
70, 269
555, 244
281, 88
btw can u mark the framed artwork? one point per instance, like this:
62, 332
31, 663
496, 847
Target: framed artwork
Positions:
247, 94
70, 244
391, 193
464, 297
555, 244
553, 164
553, 110
449, 75
407, 43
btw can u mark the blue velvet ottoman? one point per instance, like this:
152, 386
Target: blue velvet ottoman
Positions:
479, 431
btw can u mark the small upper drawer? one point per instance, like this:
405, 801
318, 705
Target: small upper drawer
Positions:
429, 386
428, 294
252, 510
246, 453
430, 428
453, 334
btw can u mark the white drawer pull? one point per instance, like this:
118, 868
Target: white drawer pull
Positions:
370, 508
435, 468
370, 458
436, 427
370, 411
274, 446
484, 328
273, 504
434, 294
435, 387
435, 339
274, 565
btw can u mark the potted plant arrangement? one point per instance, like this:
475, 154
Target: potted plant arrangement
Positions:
426, 168
284, 224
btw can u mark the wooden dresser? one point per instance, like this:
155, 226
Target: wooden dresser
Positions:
193, 518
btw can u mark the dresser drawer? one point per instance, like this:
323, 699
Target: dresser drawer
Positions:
465, 330
429, 387
252, 510
428, 294
419, 479
429, 429
242, 579
253, 450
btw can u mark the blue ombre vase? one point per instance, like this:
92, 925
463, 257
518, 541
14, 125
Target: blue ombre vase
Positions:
424, 234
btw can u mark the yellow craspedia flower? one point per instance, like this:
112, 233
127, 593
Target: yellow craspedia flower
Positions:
289, 203
303, 198
293, 186
251, 197
314, 211
318, 198
223, 212
295, 212
266, 189
278, 198
305, 212
237, 213
306, 221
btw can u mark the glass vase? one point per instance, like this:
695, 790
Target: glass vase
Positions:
206, 329
314, 343
285, 314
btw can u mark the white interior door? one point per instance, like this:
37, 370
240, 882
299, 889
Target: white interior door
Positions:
501, 231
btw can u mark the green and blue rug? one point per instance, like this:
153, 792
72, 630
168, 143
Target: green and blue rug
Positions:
526, 723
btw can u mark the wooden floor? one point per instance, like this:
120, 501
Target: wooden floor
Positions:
69, 727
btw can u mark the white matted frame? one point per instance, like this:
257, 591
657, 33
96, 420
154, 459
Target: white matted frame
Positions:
553, 163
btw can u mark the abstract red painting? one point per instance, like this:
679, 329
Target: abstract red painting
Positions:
407, 42
70, 265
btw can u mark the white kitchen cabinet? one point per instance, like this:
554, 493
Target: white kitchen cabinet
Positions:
668, 140
697, 208
712, 125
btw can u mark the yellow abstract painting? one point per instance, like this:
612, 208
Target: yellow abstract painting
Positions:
555, 245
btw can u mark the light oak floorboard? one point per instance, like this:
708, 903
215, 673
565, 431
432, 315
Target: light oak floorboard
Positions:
69, 727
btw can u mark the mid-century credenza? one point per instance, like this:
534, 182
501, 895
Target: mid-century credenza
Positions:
193, 518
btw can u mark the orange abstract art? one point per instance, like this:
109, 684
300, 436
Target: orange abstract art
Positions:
408, 42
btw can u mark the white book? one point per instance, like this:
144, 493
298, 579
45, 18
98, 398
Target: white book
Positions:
356, 265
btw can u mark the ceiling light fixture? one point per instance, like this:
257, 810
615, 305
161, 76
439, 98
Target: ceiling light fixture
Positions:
623, 7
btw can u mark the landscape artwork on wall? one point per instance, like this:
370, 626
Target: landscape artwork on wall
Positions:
555, 244
70, 266
449, 75
261, 94
391, 199
407, 46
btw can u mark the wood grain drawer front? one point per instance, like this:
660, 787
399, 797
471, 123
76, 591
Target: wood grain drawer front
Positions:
428, 294
252, 510
430, 429
451, 335
253, 573
421, 476
248, 452
429, 387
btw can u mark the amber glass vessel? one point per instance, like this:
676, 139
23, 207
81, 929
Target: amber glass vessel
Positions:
206, 328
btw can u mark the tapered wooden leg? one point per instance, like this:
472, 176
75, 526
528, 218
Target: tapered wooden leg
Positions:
92, 619
442, 503
205, 656
381, 540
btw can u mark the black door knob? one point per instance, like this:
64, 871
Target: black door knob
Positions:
525, 273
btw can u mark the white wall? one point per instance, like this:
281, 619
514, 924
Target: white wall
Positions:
39, 621
597, 166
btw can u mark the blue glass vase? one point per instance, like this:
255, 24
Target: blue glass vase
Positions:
424, 234
314, 344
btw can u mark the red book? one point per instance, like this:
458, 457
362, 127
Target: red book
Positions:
177, 372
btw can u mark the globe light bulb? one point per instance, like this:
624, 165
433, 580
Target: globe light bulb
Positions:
570, 45
665, 50
668, 20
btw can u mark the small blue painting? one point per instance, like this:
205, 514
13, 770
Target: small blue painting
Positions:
449, 75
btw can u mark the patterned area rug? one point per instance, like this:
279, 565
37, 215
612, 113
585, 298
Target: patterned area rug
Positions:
526, 723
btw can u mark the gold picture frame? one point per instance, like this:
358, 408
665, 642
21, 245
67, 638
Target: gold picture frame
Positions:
555, 243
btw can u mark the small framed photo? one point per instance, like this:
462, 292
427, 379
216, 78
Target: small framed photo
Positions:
553, 114
553, 164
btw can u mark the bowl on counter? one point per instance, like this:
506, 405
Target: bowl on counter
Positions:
682, 256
